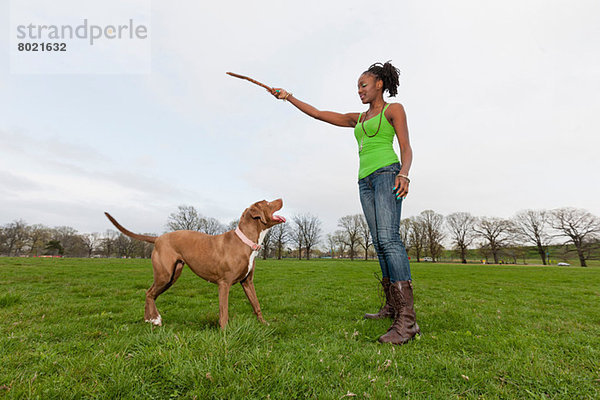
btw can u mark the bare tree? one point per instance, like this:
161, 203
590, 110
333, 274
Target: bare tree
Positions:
417, 236
70, 241
494, 232
39, 235
124, 246
232, 225
280, 234
580, 227
433, 223
350, 225
3, 249
267, 244
405, 233
210, 226
91, 242
186, 218
365, 235
309, 228
339, 238
145, 247
532, 227
113, 243
460, 226
107, 242
331, 244
15, 237
297, 239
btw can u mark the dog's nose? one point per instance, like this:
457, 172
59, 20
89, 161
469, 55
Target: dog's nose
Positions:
279, 200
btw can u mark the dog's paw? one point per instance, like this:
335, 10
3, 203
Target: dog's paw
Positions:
155, 321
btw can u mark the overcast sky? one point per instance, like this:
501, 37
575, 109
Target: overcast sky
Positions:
502, 100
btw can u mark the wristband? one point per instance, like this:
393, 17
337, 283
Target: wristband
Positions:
404, 176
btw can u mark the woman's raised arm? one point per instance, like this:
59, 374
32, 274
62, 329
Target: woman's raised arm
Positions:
346, 120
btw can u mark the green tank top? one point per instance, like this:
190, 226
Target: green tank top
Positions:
377, 151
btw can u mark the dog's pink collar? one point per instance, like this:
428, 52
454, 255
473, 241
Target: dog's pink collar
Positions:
245, 239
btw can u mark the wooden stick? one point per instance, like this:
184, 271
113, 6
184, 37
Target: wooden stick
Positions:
270, 89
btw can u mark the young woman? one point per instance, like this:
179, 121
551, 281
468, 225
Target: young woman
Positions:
383, 184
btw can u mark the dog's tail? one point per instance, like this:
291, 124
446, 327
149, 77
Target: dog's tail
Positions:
149, 239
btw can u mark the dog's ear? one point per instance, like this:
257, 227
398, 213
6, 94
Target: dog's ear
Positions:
256, 212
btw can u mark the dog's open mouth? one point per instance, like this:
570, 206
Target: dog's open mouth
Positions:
278, 218
278, 204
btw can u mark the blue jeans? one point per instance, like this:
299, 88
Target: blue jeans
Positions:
382, 211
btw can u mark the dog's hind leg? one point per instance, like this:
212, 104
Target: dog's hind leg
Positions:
166, 272
223, 303
248, 285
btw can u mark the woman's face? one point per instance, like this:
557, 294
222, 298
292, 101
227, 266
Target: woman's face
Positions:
369, 87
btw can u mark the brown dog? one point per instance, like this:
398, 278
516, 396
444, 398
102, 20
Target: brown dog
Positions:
222, 259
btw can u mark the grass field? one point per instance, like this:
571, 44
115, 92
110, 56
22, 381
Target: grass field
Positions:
73, 329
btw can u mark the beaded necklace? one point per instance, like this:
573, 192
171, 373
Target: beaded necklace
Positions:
362, 124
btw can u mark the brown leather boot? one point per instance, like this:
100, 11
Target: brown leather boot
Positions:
404, 327
387, 311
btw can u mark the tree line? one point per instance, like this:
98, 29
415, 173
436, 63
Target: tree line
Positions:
577, 231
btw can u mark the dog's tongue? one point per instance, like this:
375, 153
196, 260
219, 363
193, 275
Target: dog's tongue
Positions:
278, 218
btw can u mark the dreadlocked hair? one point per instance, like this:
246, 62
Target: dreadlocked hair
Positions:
387, 73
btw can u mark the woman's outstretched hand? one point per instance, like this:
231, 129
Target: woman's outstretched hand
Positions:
279, 93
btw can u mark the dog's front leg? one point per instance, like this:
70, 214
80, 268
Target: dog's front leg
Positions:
248, 285
223, 303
